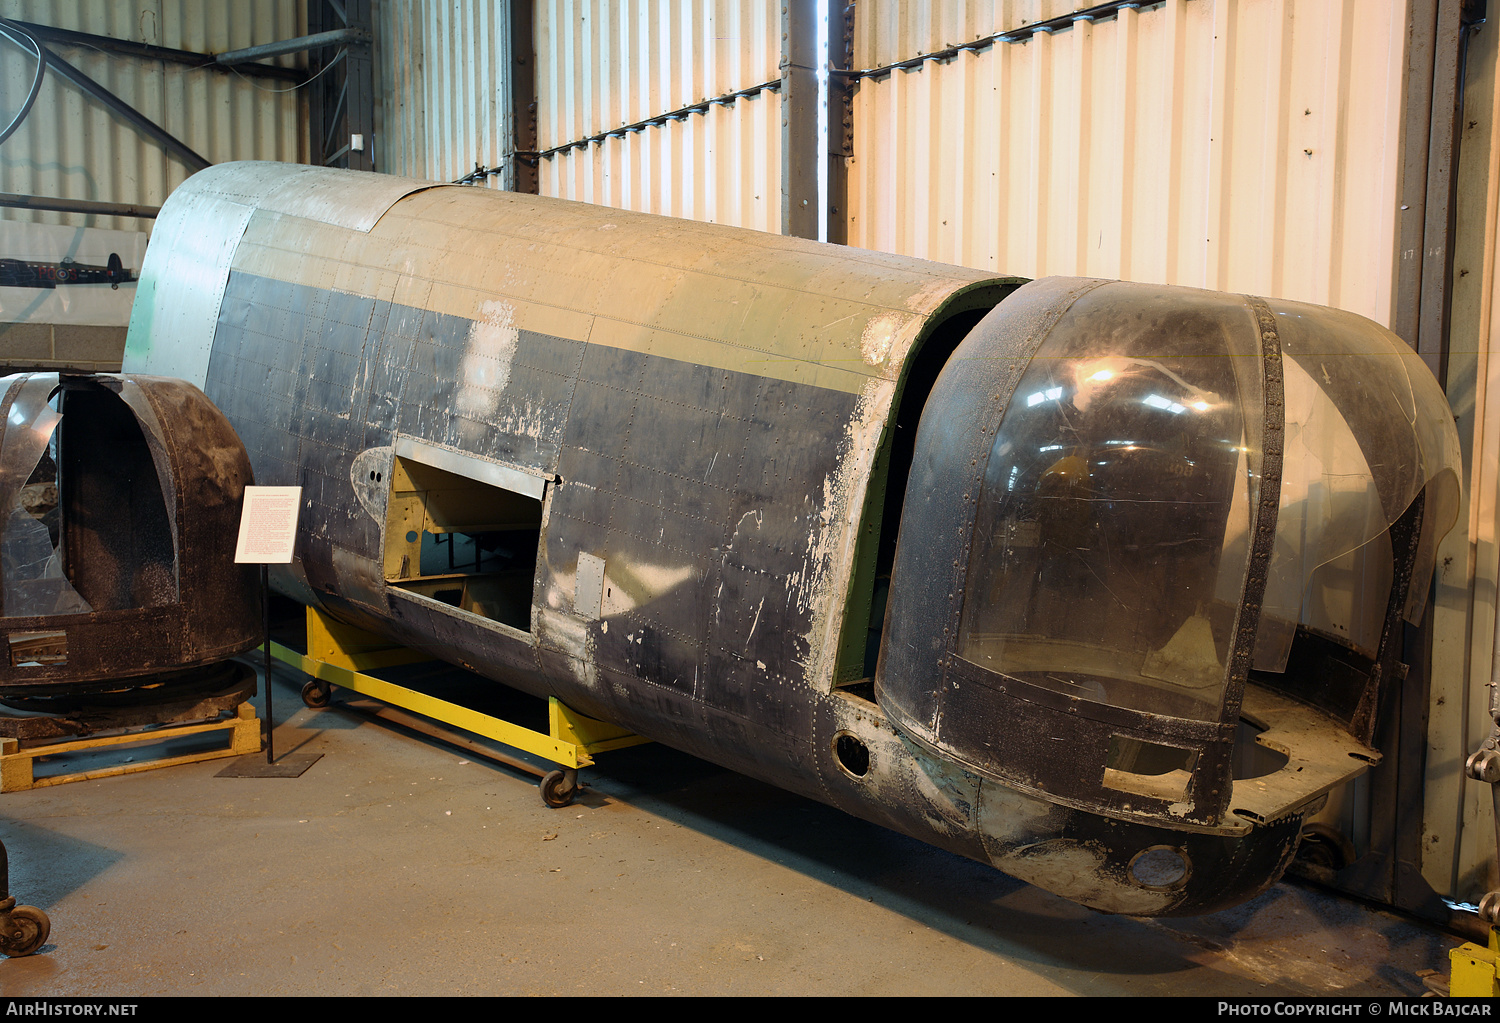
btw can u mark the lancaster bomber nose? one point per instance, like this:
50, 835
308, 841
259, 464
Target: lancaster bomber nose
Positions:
1178, 520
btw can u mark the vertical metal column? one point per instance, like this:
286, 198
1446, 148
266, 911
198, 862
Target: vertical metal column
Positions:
840, 117
522, 159
800, 207
341, 103
1434, 82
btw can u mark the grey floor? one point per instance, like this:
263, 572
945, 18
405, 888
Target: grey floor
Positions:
398, 865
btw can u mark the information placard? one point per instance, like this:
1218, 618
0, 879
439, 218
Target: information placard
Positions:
268, 525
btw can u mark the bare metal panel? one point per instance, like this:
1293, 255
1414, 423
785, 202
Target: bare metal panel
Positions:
202, 232
190, 253
530, 482
1195, 142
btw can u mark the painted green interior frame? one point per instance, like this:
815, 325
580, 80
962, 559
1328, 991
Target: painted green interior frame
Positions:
849, 666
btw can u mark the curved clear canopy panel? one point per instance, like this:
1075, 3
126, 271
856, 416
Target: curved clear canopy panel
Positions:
1109, 557
1367, 430
32, 581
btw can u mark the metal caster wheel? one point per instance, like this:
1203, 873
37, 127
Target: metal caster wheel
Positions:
317, 693
559, 788
1324, 848
23, 930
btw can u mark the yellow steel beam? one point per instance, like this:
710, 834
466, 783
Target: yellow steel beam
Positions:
336, 643
337, 652
565, 753
1473, 969
16, 768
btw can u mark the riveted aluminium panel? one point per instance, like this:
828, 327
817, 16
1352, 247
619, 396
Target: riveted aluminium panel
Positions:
201, 234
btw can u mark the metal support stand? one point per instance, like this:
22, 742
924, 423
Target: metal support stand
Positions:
1473, 969
340, 655
17, 775
1473, 966
265, 607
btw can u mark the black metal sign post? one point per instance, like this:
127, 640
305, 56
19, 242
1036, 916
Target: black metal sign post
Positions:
265, 602
268, 535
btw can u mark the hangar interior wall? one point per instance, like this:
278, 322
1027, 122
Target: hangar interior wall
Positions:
443, 77
624, 75
1195, 142
1458, 829
1241, 145
72, 147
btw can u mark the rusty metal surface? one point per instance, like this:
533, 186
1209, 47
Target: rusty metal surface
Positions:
138, 539
173, 697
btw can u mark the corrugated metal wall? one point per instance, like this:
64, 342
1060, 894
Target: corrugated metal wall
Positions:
602, 66
1458, 840
444, 85
72, 147
1197, 142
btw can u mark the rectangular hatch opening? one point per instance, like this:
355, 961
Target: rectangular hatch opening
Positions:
462, 541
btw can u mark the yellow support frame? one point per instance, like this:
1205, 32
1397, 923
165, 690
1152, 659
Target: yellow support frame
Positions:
1473, 969
16, 768
340, 655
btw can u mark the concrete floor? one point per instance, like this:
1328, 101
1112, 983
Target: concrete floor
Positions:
399, 865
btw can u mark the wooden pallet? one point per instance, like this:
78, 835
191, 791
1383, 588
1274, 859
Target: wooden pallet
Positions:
16, 763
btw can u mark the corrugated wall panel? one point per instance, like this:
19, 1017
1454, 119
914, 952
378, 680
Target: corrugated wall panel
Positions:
723, 166
1458, 839
444, 84
1197, 142
602, 64
888, 32
72, 147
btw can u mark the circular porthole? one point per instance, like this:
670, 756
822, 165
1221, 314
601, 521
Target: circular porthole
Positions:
1161, 868
853, 755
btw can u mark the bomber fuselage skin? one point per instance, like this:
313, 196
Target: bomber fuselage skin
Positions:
676, 455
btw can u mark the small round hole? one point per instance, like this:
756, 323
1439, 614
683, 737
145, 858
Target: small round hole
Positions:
1161, 868
854, 756
411, 536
